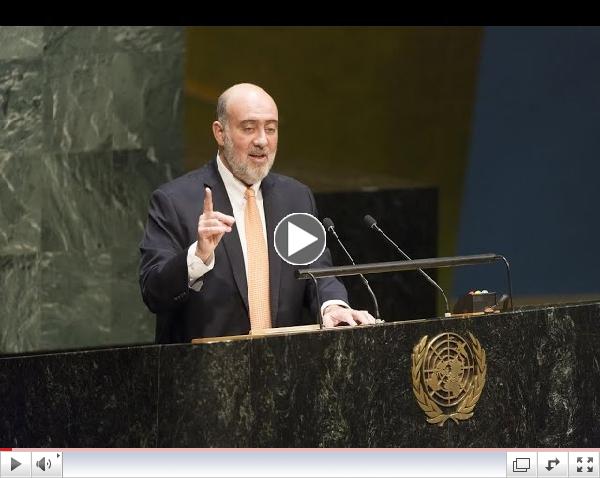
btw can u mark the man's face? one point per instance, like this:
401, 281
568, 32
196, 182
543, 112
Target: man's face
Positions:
249, 137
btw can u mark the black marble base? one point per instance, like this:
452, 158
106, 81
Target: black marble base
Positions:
80, 399
335, 388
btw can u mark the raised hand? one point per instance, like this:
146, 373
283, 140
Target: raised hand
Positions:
211, 227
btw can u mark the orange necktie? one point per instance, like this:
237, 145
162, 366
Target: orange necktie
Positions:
258, 266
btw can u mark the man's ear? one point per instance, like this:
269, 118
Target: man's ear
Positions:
218, 132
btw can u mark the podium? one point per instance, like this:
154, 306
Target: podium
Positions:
345, 387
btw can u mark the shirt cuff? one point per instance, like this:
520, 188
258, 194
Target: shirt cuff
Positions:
196, 267
327, 303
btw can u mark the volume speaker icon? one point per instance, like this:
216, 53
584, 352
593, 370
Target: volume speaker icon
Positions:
43, 463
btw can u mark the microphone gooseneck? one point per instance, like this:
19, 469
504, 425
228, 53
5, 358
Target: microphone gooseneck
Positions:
371, 223
329, 227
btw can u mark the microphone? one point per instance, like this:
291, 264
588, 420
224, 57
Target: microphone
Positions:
329, 227
372, 224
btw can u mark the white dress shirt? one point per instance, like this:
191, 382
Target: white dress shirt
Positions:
236, 191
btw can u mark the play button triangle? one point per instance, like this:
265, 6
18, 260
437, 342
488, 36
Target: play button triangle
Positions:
298, 239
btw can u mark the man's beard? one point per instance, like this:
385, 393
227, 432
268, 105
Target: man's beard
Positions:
243, 169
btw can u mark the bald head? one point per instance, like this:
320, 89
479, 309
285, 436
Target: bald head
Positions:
242, 93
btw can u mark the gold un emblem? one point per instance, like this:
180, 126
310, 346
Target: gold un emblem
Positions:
448, 375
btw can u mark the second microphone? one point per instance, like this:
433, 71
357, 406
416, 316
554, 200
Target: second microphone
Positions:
329, 227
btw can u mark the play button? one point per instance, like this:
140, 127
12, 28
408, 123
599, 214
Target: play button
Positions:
15, 463
299, 239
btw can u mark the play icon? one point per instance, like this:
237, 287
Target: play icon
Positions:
299, 239
15, 463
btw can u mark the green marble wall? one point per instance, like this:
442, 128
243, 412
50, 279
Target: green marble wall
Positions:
90, 124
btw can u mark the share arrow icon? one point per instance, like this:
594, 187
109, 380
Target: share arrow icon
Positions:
550, 467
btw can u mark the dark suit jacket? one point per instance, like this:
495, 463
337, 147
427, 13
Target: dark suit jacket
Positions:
220, 307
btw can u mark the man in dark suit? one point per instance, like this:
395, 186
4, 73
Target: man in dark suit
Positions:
208, 266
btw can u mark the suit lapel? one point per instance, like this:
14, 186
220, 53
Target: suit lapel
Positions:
273, 214
231, 241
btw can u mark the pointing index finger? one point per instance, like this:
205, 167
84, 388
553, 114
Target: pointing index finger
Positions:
208, 203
